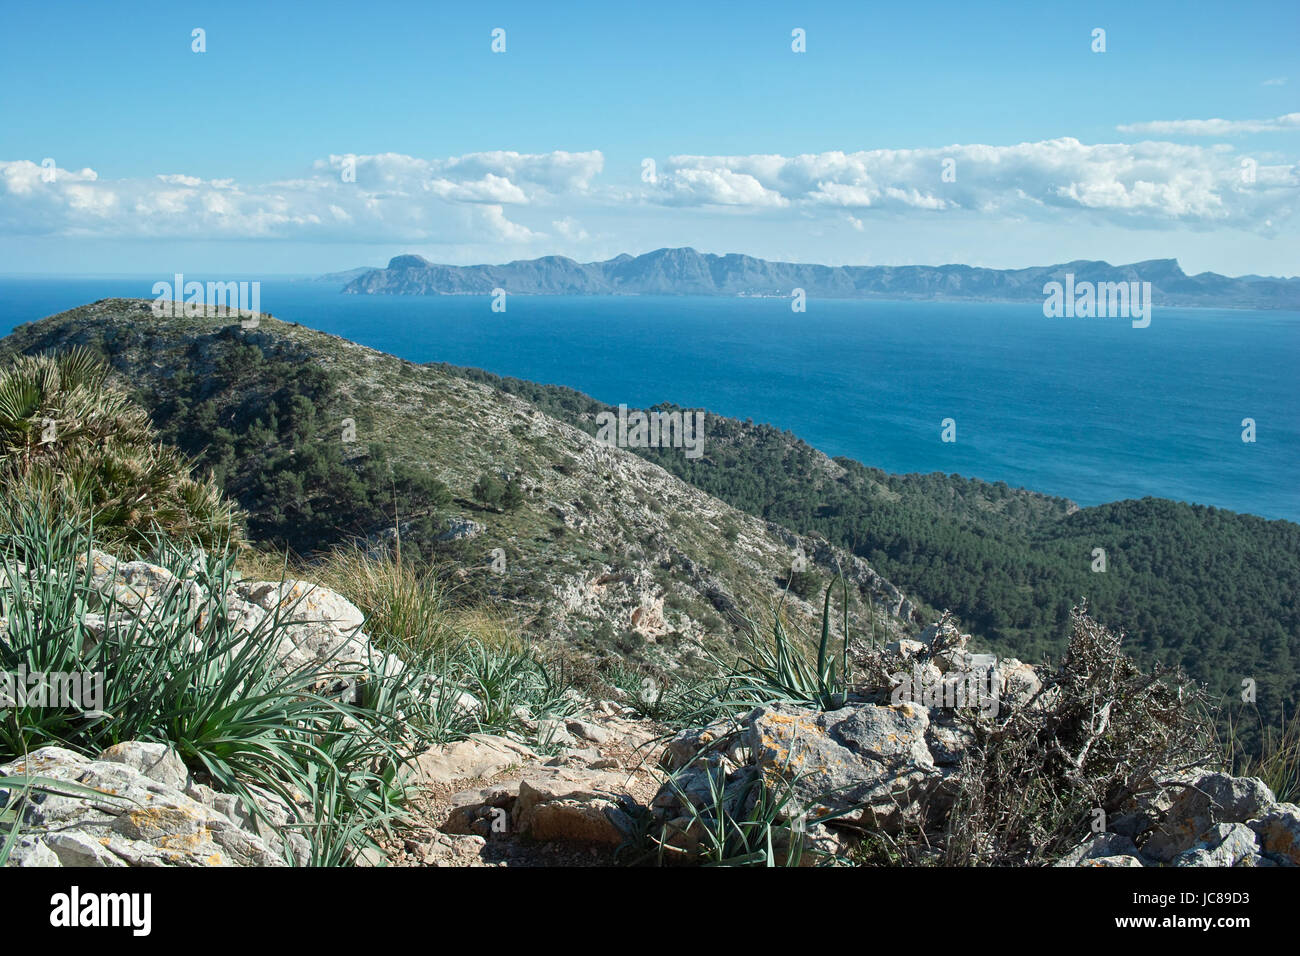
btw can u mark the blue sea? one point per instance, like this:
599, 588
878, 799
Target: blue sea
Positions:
1091, 409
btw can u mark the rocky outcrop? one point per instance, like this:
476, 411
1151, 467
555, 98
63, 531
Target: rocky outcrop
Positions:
1277, 833
1207, 819
1205, 803
459, 529
891, 756
146, 809
149, 812
492, 800
864, 766
871, 760
884, 755
479, 755
316, 628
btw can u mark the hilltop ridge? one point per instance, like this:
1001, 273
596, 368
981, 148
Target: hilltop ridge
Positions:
605, 552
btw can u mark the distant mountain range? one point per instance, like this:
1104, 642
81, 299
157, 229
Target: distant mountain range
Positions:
687, 272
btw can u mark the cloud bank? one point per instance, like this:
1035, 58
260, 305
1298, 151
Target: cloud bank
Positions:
520, 198
1148, 183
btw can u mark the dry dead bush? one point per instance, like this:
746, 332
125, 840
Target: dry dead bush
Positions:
1097, 735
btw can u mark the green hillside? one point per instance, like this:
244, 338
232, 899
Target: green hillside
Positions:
322, 441
1212, 590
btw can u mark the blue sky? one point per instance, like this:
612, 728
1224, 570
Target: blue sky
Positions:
236, 158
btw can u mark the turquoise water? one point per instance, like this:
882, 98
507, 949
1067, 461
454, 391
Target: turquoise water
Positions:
1091, 409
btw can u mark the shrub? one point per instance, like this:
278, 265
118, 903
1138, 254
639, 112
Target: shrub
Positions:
467, 648
406, 605
72, 440
488, 490
1096, 735
498, 495
660, 697
805, 584
512, 496
745, 823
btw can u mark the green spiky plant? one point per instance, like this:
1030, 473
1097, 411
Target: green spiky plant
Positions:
748, 822
781, 669
179, 672
507, 682
753, 820
70, 437
742, 824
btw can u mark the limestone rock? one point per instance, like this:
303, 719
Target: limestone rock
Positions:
1278, 831
158, 762
905, 648
446, 849
1224, 844
1099, 846
481, 755
271, 822
547, 804
835, 760
948, 741
301, 601
1122, 860
585, 730
140, 585
1211, 799
460, 528
721, 736
138, 820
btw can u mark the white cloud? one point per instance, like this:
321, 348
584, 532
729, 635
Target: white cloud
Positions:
1214, 127
555, 172
1275, 81
510, 197
497, 226
490, 189
1140, 184
570, 229
385, 197
532, 175
721, 187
